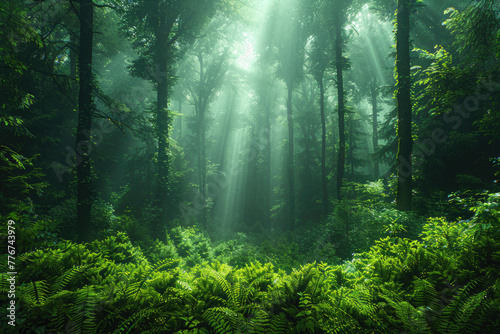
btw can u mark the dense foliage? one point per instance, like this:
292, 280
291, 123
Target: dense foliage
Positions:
444, 282
241, 166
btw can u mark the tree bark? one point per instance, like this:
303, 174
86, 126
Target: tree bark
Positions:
160, 224
351, 147
324, 186
403, 198
268, 163
374, 95
203, 167
83, 141
291, 186
341, 107
202, 161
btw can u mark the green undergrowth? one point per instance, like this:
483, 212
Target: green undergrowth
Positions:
445, 281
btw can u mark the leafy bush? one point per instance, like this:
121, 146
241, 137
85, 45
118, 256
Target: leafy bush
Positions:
445, 282
32, 231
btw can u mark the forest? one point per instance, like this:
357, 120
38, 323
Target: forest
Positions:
250, 166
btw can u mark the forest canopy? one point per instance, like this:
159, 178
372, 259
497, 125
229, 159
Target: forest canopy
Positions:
250, 166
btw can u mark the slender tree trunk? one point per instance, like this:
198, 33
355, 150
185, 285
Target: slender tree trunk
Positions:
201, 160
324, 185
291, 186
202, 163
267, 181
227, 124
341, 107
403, 199
351, 147
223, 150
160, 224
198, 139
180, 119
374, 95
306, 205
83, 140
347, 216
203, 167
73, 56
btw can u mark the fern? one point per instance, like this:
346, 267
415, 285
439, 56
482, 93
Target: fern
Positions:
278, 324
40, 291
222, 319
129, 324
426, 296
62, 281
465, 312
83, 319
132, 291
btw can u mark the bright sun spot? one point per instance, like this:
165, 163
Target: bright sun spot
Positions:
247, 53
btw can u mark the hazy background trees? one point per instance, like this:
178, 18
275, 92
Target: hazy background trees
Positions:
242, 116
244, 161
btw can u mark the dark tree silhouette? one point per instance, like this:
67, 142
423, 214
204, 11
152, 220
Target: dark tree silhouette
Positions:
85, 111
403, 200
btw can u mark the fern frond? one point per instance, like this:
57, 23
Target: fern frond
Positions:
222, 283
36, 292
425, 294
62, 281
222, 319
132, 290
465, 313
278, 324
79, 317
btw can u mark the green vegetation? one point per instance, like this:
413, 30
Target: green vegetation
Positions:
446, 281
250, 166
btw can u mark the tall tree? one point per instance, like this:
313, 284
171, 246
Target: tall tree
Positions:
17, 171
403, 199
319, 58
264, 88
158, 28
162, 58
339, 15
457, 131
85, 111
374, 93
339, 11
308, 153
290, 56
211, 59
263, 83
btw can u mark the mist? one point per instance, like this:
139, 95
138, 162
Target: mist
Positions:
250, 166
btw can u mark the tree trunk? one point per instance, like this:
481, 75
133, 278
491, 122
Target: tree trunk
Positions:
324, 186
403, 199
73, 56
351, 147
160, 224
291, 186
374, 95
83, 140
181, 117
202, 162
306, 192
341, 107
268, 163
203, 167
